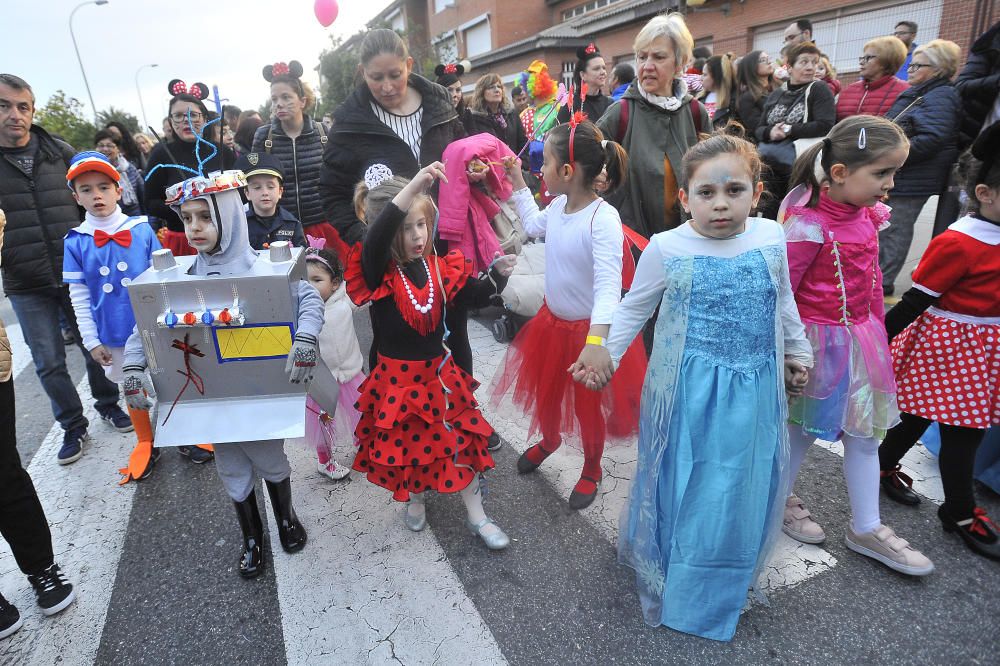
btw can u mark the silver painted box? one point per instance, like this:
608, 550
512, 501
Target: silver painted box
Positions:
221, 378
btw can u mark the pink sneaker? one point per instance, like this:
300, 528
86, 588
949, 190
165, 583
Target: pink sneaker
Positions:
333, 470
799, 525
884, 545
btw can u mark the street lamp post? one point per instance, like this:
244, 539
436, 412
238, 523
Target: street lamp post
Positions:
77, 49
142, 107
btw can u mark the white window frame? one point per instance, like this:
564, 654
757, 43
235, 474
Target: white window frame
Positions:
469, 25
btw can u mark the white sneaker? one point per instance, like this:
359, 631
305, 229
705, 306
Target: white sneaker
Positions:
884, 545
798, 523
333, 470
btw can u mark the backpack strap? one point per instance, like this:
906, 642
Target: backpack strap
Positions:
623, 121
268, 143
322, 132
696, 115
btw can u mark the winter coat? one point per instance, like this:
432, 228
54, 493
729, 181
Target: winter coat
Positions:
465, 210
873, 98
301, 159
653, 137
787, 106
40, 212
979, 82
183, 153
594, 106
338, 341
930, 115
6, 359
749, 111
477, 122
359, 140
281, 227
833, 84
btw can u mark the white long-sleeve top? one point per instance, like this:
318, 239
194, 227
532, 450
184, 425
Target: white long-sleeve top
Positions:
650, 281
583, 256
338, 341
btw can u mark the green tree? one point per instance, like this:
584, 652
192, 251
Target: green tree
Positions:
124, 117
338, 66
63, 116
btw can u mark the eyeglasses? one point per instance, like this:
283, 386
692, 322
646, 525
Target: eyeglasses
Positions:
106, 146
792, 38
900, 33
864, 60
914, 66
181, 117
764, 60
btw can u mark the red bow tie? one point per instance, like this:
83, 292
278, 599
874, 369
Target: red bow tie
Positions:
102, 238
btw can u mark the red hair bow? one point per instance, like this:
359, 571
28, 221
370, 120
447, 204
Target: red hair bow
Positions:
450, 68
279, 69
591, 48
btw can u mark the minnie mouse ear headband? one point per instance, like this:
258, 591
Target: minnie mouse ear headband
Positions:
197, 90
587, 52
202, 186
279, 70
454, 68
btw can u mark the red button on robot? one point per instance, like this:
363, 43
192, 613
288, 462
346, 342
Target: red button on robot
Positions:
189, 318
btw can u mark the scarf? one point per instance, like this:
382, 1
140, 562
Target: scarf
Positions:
666, 103
129, 197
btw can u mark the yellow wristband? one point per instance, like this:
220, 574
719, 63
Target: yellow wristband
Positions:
596, 340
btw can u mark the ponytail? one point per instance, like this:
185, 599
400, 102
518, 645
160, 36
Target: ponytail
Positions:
804, 171
615, 163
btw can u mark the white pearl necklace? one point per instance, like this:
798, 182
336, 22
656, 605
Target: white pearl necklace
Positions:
422, 309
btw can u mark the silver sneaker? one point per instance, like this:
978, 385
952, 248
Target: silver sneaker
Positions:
496, 541
414, 523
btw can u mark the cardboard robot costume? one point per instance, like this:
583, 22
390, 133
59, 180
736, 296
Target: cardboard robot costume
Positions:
218, 332
215, 330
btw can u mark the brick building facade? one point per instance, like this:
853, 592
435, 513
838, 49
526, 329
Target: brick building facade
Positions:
503, 36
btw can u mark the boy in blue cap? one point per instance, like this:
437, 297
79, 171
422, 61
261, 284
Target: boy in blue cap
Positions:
101, 257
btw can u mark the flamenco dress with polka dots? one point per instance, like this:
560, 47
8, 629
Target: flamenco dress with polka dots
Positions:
420, 428
104, 255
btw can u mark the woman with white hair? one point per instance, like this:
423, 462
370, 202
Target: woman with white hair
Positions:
930, 112
656, 121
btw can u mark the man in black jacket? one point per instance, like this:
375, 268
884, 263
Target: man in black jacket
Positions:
40, 211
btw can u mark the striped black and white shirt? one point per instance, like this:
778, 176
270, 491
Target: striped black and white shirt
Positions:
406, 128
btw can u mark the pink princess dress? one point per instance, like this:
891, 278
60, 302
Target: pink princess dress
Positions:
833, 265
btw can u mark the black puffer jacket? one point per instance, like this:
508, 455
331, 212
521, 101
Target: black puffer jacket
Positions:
478, 122
358, 140
40, 211
979, 82
301, 160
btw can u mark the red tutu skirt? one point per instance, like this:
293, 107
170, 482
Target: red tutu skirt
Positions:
413, 436
948, 371
534, 375
177, 243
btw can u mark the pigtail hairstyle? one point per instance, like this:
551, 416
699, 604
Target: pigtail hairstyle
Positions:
853, 142
591, 152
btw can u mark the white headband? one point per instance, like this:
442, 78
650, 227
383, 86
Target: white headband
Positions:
376, 175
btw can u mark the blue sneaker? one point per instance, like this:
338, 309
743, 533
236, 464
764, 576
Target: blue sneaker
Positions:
117, 419
72, 448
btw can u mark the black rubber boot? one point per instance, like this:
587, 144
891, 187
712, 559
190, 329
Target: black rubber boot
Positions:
252, 559
290, 531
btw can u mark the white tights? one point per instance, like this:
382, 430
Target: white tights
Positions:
861, 471
471, 496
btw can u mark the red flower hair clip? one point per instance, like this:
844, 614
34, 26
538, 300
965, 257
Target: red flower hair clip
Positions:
450, 68
591, 49
279, 69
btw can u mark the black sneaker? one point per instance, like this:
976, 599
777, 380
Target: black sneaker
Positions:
10, 619
52, 590
195, 455
153, 457
72, 447
117, 419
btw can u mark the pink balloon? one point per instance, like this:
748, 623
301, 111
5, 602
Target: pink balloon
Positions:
326, 12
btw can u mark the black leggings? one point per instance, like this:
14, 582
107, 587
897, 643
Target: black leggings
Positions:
956, 460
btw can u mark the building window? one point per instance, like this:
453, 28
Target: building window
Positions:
441, 5
843, 37
447, 49
397, 21
478, 39
579, 10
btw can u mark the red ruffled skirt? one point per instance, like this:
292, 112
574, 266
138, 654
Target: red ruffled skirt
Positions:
177, 243
415, 436
534, 375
